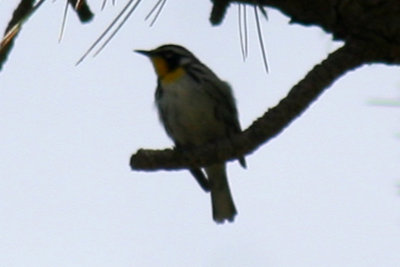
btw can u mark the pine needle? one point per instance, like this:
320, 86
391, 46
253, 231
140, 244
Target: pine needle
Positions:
110, 27
63, 22
260, 39
160, 4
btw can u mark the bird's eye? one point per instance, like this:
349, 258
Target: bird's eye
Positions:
172, 59
168, 55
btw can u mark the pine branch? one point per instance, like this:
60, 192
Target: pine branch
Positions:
82, 10
274, 121
22, 10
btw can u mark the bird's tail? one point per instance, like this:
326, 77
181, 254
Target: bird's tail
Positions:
222, 203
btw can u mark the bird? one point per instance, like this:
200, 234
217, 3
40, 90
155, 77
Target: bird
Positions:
196, 108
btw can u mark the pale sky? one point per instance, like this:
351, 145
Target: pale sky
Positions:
323, 193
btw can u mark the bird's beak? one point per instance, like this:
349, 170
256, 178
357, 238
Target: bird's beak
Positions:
144, 52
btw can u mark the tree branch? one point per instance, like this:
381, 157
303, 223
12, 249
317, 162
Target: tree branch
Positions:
273, 122
22, 10
371, 30
82, 10
355, 19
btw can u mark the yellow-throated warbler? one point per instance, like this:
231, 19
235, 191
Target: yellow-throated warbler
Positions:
196, 108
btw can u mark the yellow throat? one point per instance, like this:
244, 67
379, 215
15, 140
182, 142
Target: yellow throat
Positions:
164, 73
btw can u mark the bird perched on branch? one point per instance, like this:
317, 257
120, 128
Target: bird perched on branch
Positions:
196, 108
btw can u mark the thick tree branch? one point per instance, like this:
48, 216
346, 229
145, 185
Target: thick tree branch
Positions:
371, 30
272, 122
355, 19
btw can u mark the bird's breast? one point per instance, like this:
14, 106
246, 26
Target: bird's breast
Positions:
188, 112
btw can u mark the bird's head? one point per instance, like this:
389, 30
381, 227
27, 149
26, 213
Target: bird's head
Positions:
169, 59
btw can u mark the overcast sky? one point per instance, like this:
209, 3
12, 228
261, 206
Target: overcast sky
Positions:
323, 193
